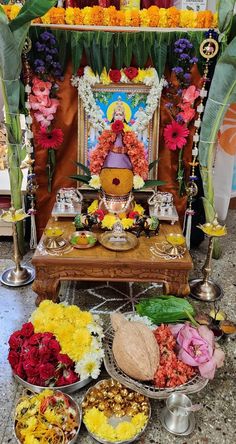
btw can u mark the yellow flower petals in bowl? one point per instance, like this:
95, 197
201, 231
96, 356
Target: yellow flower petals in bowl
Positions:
175, 239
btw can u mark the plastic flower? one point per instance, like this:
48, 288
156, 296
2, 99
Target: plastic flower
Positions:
198, 348
115, 75
108, 221
138, 182
50, 139
93, 207
131, 72
175, 135
95, 182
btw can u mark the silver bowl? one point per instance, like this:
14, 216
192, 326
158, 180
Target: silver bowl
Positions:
103, 441
71, 388
78, 417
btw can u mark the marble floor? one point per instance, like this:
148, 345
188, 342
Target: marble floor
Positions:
215, 423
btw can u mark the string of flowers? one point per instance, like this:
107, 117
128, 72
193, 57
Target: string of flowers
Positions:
43, 98
99, 16
181, 99
88, 79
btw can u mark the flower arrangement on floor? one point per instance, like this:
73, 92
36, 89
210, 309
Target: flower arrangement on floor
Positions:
46, 417
181, 102
61, 345
43, 98
99, 16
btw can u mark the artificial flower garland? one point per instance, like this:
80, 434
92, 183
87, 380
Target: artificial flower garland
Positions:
99, 16
130, 75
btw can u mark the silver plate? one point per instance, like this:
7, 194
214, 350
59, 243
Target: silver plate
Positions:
103, 441
189, 430
71, 388
6, 277
79, 417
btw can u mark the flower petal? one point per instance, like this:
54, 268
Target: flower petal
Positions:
207, 370
219, 356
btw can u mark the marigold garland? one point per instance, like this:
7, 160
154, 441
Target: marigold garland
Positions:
98, 16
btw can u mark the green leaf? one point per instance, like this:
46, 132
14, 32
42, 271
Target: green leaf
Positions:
97, 65
225, 11
81, 178
88, 39
141, 48
128, 44
119, 50
76, 49
84, 168
63, 40
31, 9
153, 183
209, 210
159, 54
152, 164
23, 153
10, 61
107, 49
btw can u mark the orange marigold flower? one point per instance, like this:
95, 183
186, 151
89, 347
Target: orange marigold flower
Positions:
57, 16
37, 20
153, 13
78, 19
135, 20
97, 15
7, 10
120, 18
200, 19
173, 15
208, 19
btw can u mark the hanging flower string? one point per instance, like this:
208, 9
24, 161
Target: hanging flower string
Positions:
181, 102
43, 98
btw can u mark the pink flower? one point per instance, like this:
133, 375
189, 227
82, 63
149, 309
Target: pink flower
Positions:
41, 88
50, 108
190, 94
44, 122
187, 113
198, 348
36, 101
175, 135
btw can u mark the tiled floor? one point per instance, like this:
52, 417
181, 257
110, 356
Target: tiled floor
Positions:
216, 423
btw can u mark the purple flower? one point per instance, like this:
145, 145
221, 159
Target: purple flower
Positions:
178, 50
179, 118
48, 58
184, 56
187, 76
178, 70
40, 69
179, 92
40, 47
38, 62
45, 36
168, 105
193, 60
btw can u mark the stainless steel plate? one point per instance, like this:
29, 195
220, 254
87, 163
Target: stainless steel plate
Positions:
71, 388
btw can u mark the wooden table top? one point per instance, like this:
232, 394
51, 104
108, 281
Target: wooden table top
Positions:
141, 254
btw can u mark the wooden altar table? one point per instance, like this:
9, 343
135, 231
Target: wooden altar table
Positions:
100, 264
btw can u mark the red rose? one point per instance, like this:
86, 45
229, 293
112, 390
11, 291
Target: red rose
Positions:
46, 338
15, 340
13, 358
27, 329
115, 75
19, 371
117, 126
46, 371
100, 214
30, 370
44, 354
131, 72
35, 339
32, 357
80, 71
65, 360
54, 346
70, 377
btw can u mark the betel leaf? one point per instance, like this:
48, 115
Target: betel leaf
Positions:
87, 41
96, 50
31, 10
165, 309
159, 54
141, 46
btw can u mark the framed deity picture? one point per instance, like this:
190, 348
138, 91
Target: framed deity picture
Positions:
129, 99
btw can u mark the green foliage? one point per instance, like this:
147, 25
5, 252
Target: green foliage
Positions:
153, 183
225, 11
165, 309
31, 10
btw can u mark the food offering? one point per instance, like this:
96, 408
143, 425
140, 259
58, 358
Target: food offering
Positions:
83, 239
114, 413
49, 417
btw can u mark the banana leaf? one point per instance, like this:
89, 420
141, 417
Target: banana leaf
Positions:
225, 14
81, 178
31, 10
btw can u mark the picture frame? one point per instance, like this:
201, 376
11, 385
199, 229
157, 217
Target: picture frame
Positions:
133, 97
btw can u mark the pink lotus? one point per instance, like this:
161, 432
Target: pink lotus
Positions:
190, 94
41, 88
197, 348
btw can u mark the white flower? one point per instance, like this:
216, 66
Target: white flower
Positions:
95, 182
96, 330
88, 366
138, 182
144, 319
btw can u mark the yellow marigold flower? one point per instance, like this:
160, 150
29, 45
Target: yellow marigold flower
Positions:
78, 17
144, 18
135, 20
108, 221
46, 18
125, 430
163, 22
94, 419
93, 207
7, 9
188, 19
127, 223
127, 17
107, 432
140, 77
57, 15
97, 15
120, 18
15, 9
31, 423
53, 417
139, 421
22, 405
70, 16
105, 79
215, 20
86, 14
153, 13
173, 15
30, 439
138, 208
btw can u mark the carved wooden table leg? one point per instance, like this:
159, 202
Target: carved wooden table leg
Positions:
46, 289
177, 285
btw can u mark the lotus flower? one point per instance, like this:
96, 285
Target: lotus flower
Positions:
197, 348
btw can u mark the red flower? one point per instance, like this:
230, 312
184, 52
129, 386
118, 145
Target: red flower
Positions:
44, 354
13, 358
61, 381
54, 346
32, 357
65, 360
115, 75
19, 370
71, 377
15, 340
117, 126
131, 72
35, 380
46, 371
46, 338
30, 370
80, 71
100, 214
50, 139
175, 135
27, 329
35, 339
133, 214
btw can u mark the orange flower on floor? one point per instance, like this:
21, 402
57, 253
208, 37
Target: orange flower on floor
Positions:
153, 13
97, 15
78, 18
173, 16
57, 16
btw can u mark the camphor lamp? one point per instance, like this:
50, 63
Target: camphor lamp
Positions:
18, 275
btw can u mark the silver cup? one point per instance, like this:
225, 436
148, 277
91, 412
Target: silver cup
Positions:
176, 418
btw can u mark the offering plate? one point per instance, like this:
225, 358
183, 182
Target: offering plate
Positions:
118, 241
88, 238
71, 388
